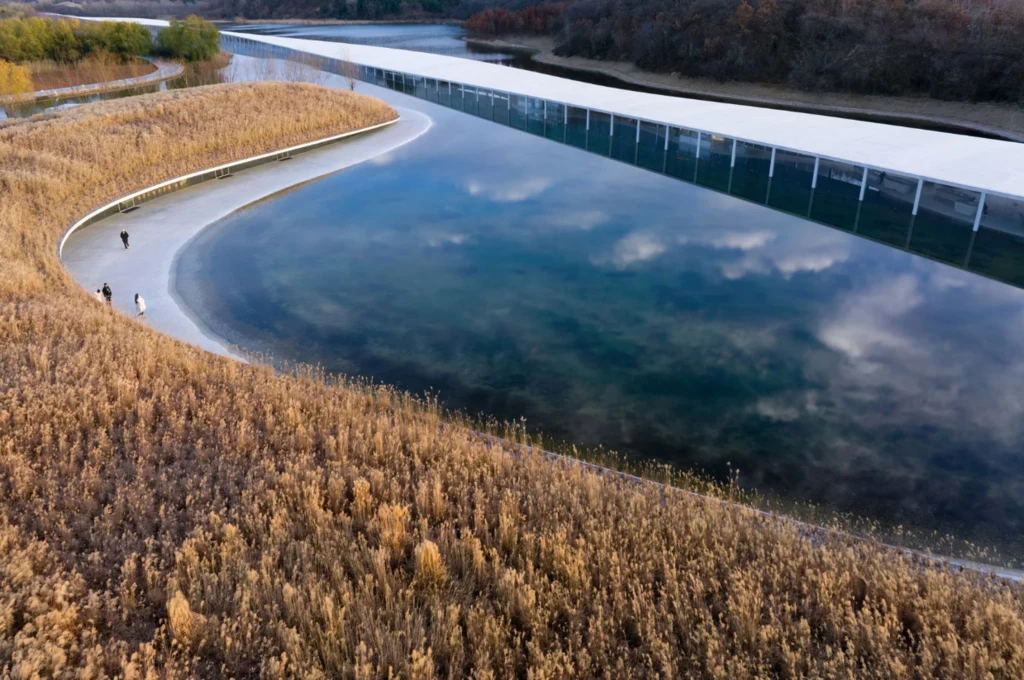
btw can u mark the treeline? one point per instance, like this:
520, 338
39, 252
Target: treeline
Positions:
34, 39
539, 20
949, 49
969, 50
66, 41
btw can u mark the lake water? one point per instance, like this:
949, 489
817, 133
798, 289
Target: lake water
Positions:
612, 306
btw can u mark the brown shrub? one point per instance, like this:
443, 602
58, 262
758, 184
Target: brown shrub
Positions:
168, 513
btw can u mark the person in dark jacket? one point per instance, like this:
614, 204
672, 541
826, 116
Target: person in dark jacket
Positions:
124, 238
107, 293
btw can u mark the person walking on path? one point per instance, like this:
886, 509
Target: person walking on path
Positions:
140, 305
107, 293
124, 238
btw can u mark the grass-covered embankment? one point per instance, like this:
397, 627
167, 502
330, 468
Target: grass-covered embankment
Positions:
167, 513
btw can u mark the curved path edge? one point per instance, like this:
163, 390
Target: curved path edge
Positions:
165, 71
99, 257
161, 225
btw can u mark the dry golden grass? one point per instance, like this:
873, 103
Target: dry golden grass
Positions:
165, 513
97, 69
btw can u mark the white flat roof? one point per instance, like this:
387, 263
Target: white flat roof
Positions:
971, 162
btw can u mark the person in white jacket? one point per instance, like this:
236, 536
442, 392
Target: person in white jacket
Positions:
99, 296
140, 305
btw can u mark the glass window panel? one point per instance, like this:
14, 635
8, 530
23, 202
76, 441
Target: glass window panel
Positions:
444, 95
457, 95
517, 111
599, 135
750, 176
837, 195
1001, 214
790, 188
681, 160
469, 99
421, 87
650, 152
624, 139
535, 116
888, 202
714, 163
501, 108
554, 124
944, 224
431, 90
484, 105
998, 249
576, 131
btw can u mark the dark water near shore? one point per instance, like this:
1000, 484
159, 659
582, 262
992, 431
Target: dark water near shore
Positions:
617, 307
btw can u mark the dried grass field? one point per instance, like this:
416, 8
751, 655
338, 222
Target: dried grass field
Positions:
52, 76
165, 513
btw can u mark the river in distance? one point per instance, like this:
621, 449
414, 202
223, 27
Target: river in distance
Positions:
611, 306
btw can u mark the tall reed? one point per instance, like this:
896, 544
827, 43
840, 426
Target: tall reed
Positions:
165, 513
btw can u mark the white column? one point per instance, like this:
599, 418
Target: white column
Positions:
611, 128
699, 135
565, 108
637, 130
588, 120
771, 166
863, 184
981, 210
666, 138
917, 196
814, 178
732, 162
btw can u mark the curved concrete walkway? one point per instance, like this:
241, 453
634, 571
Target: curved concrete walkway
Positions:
165, 70
160, 228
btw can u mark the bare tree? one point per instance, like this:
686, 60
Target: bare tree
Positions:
349, 70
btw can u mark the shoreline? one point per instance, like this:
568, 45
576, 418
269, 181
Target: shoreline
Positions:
165, 226
221, 199
540, 51
165, 71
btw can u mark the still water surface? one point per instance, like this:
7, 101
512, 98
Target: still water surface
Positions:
617, 307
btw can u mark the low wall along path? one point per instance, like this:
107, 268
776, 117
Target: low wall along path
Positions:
955, 199
161, 220
165, 71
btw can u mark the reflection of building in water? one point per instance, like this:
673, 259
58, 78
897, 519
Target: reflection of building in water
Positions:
968, 228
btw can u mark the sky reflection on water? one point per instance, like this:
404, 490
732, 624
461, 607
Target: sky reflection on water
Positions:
609, 305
